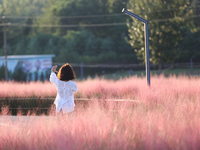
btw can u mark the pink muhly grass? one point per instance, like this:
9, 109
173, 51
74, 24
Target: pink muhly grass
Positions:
129, 88
27, 89
167, 117
109, 126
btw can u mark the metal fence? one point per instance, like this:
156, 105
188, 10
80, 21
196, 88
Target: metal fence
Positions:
40, 105
99, 69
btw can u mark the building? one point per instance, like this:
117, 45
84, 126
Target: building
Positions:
35, 66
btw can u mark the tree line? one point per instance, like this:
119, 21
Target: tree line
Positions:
98, 32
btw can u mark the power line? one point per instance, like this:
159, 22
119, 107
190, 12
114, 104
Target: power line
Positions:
70, 26
170, 19
70, 17
92, 16
96, 25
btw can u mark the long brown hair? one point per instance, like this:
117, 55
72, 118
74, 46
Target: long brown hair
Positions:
66, 73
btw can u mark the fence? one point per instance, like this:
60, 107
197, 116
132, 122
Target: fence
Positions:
40, 105
93, 69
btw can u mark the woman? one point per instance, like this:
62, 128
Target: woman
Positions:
65, 88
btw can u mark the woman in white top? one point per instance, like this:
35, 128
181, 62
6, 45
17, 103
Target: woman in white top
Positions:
65, 88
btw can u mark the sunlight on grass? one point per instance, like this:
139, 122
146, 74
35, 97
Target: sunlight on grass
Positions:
167, 117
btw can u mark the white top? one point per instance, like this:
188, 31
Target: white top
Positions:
65, 94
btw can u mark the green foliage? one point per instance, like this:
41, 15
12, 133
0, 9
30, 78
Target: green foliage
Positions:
88, 41
170, 39
164, 28
56, 8
71, 44
12, 9
76, 47
19, 74
196, 12
2, 73
189, 45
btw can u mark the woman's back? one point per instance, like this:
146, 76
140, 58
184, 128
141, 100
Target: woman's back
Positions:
65, 93
65, 90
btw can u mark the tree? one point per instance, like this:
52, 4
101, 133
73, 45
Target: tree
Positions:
165, 19
19, 74
196, 12
89, 44
190, 44
90, 41
13, 9
2, 73
16, 12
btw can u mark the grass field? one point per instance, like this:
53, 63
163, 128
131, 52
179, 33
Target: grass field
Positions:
167, 117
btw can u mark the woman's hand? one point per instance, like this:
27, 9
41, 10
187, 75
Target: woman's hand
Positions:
54, 68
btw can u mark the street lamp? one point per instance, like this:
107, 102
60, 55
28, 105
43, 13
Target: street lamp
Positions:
146, 41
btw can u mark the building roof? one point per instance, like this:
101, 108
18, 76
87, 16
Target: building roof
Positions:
27, 56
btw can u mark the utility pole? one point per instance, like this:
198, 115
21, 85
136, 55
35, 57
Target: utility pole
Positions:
5, 50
